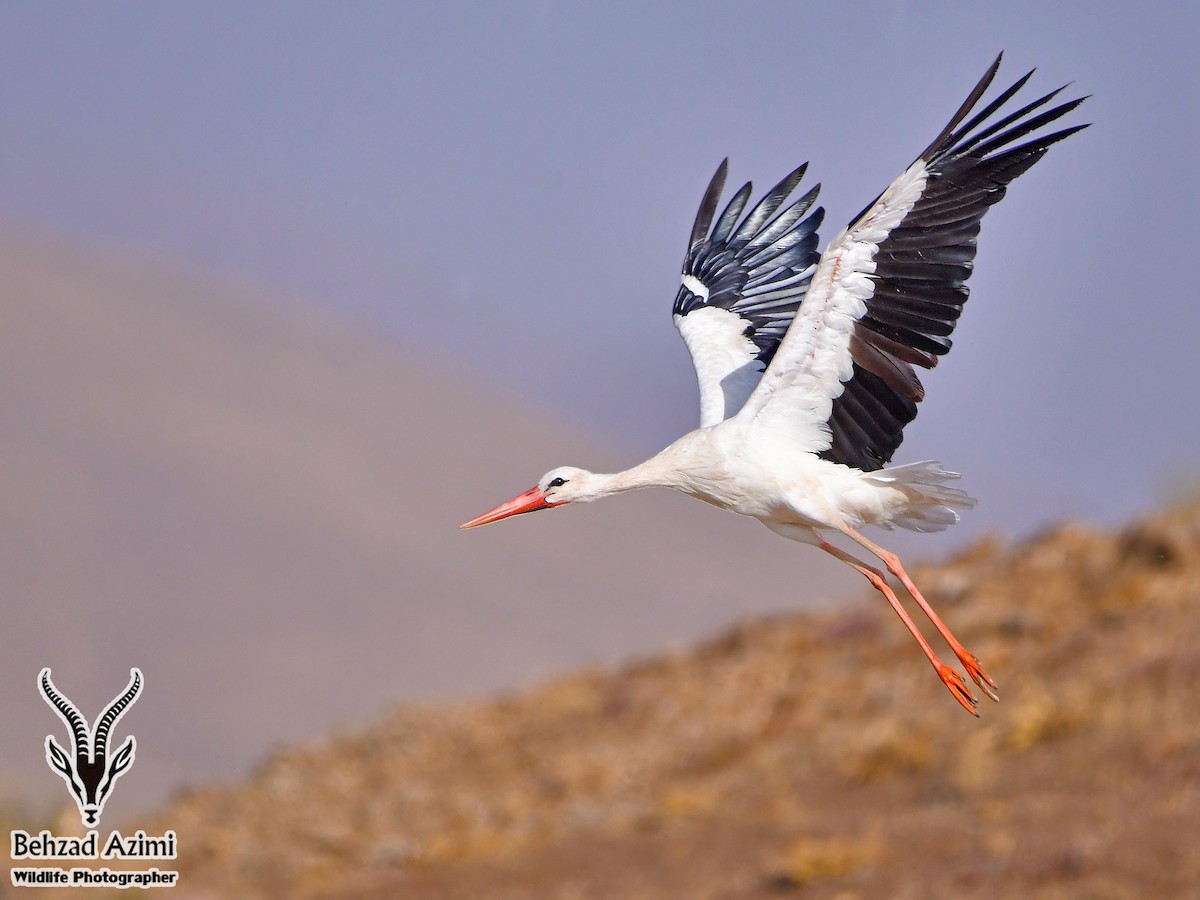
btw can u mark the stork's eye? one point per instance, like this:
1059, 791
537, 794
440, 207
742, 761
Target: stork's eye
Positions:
557, 482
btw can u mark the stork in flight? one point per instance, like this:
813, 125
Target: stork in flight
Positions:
805, 360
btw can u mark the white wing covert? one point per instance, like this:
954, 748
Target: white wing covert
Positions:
741, 286
889, 289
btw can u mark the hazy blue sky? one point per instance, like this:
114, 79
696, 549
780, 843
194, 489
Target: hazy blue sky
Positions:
510, 186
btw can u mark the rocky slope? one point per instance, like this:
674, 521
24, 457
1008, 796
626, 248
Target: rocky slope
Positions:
815, 755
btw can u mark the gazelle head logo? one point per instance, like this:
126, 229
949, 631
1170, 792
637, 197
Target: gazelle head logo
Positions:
92, 772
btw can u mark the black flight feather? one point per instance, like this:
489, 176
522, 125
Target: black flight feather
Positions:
922, 267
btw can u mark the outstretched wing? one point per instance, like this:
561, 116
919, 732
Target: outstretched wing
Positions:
890, 288
741, 286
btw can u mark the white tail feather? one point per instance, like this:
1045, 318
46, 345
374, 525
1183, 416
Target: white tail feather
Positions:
932, 506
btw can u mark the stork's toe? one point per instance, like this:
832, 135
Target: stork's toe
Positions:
958, 687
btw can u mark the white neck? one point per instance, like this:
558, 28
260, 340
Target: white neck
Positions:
658, 471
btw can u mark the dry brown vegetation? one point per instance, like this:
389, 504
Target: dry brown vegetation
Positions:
815, 756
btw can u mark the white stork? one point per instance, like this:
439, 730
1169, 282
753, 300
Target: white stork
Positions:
805, 360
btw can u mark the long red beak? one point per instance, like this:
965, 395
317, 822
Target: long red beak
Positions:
530, 501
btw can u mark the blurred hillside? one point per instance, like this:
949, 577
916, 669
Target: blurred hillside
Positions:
814, 755
258, 505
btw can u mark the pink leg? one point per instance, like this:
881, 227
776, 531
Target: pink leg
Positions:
951, 678
892, 561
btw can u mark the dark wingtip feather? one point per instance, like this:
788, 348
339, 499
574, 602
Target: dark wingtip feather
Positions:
729, 217
1062, 135
996, 104
768, 205
1019, 130
708, 206
959, 141
966, 107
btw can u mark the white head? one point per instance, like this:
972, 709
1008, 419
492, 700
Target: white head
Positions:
558, 486
566, 484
